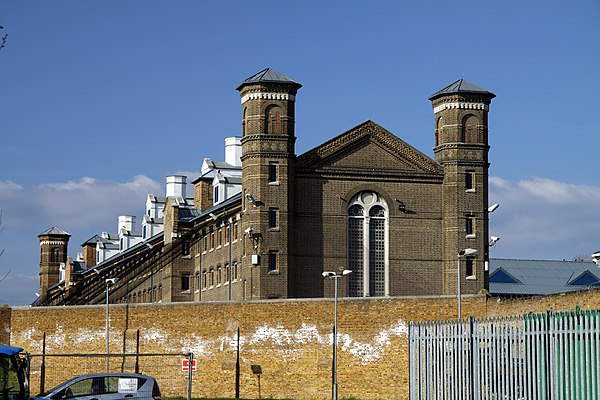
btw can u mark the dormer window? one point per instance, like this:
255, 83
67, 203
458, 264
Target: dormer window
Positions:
216, 195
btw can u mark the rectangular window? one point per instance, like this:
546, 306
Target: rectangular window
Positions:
470, 226
216, 196
273, 267
273, 218
272, 172
220, 242
185, 248
212, 240
470, 181
185, 282
469, 270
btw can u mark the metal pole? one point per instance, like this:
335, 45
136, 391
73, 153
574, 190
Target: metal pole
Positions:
335, 316
107, 327
458, 287
237, 367
190, 363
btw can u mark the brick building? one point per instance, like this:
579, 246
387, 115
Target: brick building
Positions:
267, 222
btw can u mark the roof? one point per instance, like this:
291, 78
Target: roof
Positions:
55, 231
268, 75
541, 277
461, 86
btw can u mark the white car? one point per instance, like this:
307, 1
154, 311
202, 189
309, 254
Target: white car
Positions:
105, 386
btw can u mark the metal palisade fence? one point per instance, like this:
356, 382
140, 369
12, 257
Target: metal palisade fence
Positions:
551, 356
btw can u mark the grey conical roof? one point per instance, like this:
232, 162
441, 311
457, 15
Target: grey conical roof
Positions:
54, 231
269, 75
461, 86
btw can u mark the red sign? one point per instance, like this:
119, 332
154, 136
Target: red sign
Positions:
185, 364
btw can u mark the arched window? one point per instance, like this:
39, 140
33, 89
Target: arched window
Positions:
439, 132
368, 245
469, 133
55, 254
273, 125
244, 114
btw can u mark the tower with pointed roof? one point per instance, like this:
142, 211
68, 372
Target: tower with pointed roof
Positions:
461, 147
268, 154
54, 243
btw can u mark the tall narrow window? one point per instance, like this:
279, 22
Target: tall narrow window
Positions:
470, 181
469, 270
272, 172
367, 245
273, 267
470, 226
185, 248
273, 218
470, 131
216, 195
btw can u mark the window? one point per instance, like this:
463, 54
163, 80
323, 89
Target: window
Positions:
273, 121
469, 268
211, 277
470, 226
470, 181
212, 240
470, 130
220, 237
273, 218
185, 248
219, 276
273, 261
227, 273
367, 245
272, 172
234, 272
216, 195
185, 282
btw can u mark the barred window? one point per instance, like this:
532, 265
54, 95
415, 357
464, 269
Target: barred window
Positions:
367, 245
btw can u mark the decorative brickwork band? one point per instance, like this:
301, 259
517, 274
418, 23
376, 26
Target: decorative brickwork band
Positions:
463, 106
268, 96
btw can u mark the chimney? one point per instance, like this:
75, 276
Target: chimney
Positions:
233, 151
126, 222
176, 185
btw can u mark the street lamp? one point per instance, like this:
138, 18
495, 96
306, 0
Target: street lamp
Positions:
336, 277
109, 281
463, 253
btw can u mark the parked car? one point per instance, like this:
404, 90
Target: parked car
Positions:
105, 386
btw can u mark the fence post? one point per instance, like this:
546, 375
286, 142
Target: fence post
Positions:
43, 367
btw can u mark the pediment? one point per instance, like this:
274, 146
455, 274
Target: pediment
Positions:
368, 146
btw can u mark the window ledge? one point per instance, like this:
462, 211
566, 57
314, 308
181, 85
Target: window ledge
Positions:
471, 278
470, 191
471, 236
273, 273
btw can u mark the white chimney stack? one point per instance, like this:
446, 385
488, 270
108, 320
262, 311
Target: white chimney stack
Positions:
126, 222
176, 185
233, 151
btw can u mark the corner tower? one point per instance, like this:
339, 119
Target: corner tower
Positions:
54, 243
461, 147
268, 155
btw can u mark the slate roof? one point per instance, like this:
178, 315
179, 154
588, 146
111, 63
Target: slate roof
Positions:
541, 277
268, 75
55, 231
461, 86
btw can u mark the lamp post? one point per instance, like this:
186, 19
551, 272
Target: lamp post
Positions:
335, 276
109, 281
463, 253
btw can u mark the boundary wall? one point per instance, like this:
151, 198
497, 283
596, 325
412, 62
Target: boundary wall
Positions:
290, 339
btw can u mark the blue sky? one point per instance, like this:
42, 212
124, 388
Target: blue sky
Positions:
101, 100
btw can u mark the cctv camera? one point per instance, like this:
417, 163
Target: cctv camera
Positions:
493, 207
248, 231
328, 274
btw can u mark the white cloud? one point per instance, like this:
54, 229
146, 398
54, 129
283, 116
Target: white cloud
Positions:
544, 219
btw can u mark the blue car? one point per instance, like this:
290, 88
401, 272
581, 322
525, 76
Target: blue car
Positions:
105, 386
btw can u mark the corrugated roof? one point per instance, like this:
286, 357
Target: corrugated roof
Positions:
268, 75
55, 231
461, 86
541, 277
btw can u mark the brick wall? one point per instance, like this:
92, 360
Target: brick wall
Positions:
291, 340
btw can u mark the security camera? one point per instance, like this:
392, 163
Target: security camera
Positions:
328, 274
493, 240
111, 281
493, 207
248, 231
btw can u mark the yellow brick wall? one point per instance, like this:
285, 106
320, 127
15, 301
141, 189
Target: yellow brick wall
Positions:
290, 339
